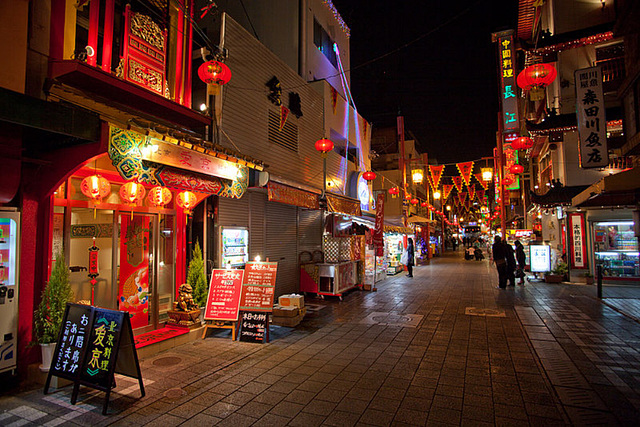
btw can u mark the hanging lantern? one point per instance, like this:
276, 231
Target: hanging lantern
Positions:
159, 196
538, 75
369, 175
436, 195
324, 145
417, 176
214, 72
507, 180
414, 201
516, 169
408, 196
424, 204
131, 192
186, 200
394, 191
524, 143
95, 187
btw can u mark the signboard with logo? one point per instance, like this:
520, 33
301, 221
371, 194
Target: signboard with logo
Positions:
540, 258
508, 96
378, 233
592, 123
254, 326
259, 286
223, 301
94, 344
578, 240
359, 189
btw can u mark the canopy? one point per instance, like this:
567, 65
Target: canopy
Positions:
419, 219
615, 190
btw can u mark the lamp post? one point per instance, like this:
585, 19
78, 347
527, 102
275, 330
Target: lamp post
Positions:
324, 146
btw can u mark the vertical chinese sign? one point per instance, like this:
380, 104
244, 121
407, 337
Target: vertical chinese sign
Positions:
133, 288
72, 343
578, 240
102, 348
506, 58
592, 123
223, 302
378, 234
512, 181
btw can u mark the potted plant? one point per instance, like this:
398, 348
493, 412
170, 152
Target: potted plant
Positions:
558, 274
50, 312
196, 276
589, 278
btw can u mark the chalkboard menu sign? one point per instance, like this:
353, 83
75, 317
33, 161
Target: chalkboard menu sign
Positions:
254, 326
94, 343
259, 286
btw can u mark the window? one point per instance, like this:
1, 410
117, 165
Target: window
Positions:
324, 43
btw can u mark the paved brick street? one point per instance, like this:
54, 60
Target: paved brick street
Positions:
445, 347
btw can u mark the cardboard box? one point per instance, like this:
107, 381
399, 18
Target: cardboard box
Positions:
291, 300
289, 321
280, 311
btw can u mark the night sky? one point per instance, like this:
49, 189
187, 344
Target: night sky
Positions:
444, 84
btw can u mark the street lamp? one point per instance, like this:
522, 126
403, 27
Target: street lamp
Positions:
436, 195
417, 176
324, 146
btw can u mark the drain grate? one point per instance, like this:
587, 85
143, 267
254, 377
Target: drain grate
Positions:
392, 319
588, 417
486, 312
174, 393
587, 399
568, 378
167, 361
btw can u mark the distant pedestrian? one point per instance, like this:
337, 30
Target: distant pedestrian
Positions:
410, 252
511, 264
521, 259
499, 253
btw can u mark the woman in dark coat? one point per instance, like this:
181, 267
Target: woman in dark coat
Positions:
411, 254
521, 259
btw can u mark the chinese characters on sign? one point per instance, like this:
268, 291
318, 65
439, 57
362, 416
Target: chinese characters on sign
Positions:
540, 258
223, 302
592, 124
253, 326
508, 81
259, 286
101, 349
72, 343
578, 243
378, 233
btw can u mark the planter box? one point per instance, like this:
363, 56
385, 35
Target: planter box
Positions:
553, 278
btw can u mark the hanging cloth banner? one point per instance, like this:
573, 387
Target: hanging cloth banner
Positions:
465, 170
485, 184
467, 205
457, 180
284, 114
436, 173
334, 99
472, 191
462, 197
480, 194
446, 190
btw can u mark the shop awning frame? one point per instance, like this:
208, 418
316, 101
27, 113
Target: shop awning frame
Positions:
621, 189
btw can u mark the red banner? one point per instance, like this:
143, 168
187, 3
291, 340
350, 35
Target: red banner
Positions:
292, 196
485, 184
284, 114
223, 301
465, 169
578, 240
133, 283
446, 190
462, 197
259, 286
378, 234
480, 194
436, 174
472, 191
457, 180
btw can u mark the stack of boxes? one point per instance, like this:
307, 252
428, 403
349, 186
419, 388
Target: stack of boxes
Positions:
289, 311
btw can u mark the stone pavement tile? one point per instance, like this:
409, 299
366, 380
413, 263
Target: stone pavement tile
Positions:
342, 418
470, 422
539, 397
376, 418
450, 390
319, 407
411, 417
387, 405
484, 400
365, 394
414, 403
237, 420
166, 420
287, 409
254, 387
283, 387
341, 385
187, 410
200, 420
313, 386
322, 377
207, 398
511, 422
295, 378
444, 415
510, 411
449, 402
331, 395
238, 398
478, 413
254, 409
221, 409
422, 392
399, 383
225, 388
457, 380
355, 406
546, 411
304, 419
269, 397
300, 396
391, 393
270, 420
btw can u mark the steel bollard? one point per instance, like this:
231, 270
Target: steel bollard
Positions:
599, 279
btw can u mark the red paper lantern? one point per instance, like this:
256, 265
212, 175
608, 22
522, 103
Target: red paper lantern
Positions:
536, 76
516, 169
95, 187
369, 175
394, 191
424, 204
159, 196
214, 72
131, 192
187, 201
508, 180
414, 201
522, 143
408, 196
324, 145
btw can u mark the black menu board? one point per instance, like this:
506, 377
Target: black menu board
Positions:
94, 343
253, 326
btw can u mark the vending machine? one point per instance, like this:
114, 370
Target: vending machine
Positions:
234, 247
9, 265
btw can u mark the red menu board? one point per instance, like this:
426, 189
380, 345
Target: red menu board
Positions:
259, 286
223, 302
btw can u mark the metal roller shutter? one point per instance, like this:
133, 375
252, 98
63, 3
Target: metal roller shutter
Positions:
257, 226
309, 230
233, 212
281, 245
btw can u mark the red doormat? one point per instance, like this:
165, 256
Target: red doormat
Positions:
158, 335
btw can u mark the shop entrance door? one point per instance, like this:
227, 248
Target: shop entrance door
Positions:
136, 269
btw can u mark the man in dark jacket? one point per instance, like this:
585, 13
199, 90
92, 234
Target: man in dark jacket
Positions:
511, 263
499, 253
521, 258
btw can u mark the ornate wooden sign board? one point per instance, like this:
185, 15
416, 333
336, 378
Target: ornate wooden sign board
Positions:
223, 301
94, 343
256, 301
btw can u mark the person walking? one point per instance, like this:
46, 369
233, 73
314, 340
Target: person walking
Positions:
511, 264
521, 259
499, 254
410, 255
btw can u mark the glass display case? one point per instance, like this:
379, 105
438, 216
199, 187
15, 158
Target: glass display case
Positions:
234, 251
616, 249
394, 247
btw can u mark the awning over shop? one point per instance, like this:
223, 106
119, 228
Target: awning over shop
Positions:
292, 196
557, 195
419, 220
343, 204
621, 189
396, 229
